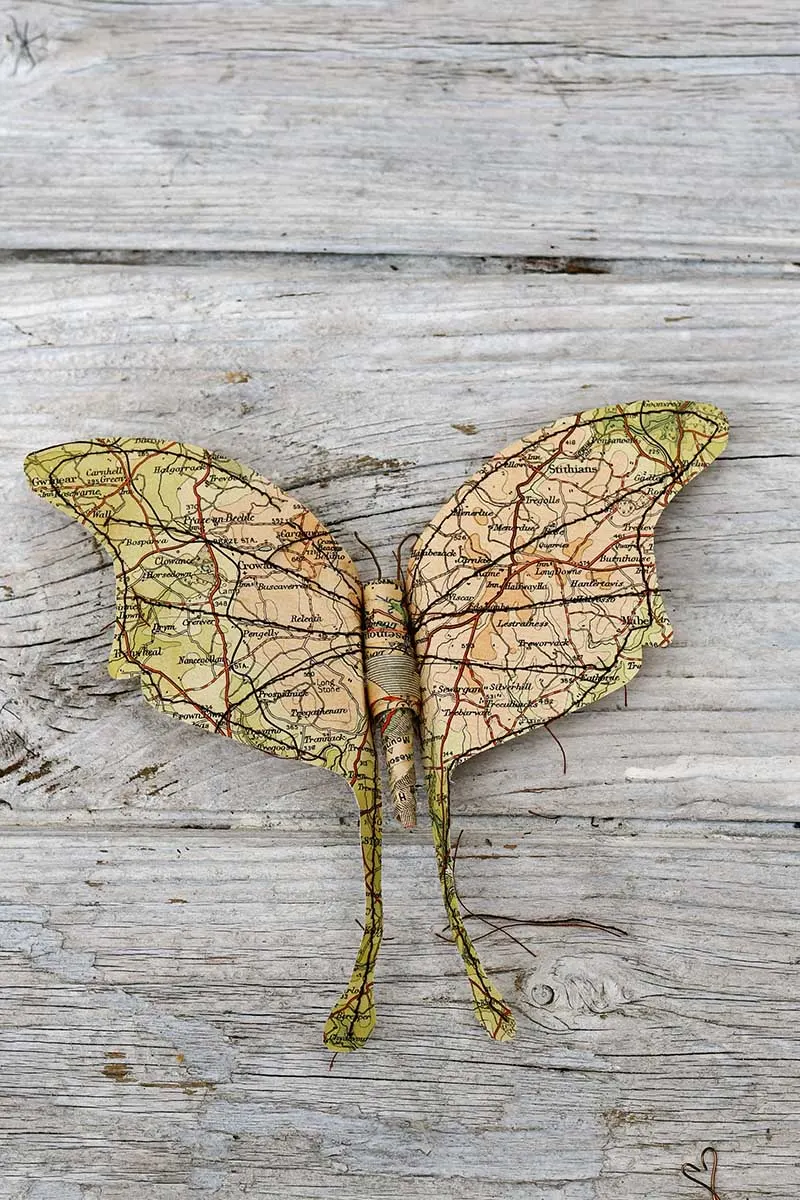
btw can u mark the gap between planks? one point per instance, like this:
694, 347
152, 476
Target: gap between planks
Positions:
652, 269
570, 826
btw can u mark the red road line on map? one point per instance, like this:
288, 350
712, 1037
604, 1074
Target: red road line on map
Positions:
461, 669
226, 670
128, 480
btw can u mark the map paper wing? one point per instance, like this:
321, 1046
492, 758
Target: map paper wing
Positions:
239, 613
533, 591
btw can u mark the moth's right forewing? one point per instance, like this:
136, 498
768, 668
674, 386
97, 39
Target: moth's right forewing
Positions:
533, 590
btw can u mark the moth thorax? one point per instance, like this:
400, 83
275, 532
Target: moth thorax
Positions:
392, 690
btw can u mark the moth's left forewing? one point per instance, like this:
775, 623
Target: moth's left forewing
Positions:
533, 591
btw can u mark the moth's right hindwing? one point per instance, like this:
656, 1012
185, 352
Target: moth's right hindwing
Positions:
534, 591
240, 614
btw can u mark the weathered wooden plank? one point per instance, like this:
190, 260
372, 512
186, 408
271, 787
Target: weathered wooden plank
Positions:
372, 396
534, 129
162, 1002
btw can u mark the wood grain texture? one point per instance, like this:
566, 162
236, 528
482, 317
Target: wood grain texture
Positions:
372, 396
635, 130
168, 1039
177, 913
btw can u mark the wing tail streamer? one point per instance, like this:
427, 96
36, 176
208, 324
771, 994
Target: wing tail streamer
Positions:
490, 1009
352, 1017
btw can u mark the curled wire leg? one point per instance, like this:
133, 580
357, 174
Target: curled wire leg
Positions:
398, 558
499, 923
707, 1167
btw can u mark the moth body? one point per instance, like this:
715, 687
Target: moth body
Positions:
532, 593
393, 692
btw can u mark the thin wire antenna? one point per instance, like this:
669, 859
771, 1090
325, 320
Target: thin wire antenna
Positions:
558, 743
398, 559
370, 552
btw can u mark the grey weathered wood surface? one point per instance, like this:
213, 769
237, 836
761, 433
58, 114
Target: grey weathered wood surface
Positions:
178, 913
576, 128
170, 988
354, 387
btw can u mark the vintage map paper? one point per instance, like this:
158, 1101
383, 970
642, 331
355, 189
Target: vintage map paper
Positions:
531, 594
239, 613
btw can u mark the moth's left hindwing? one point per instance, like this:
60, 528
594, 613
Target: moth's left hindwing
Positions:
240, 614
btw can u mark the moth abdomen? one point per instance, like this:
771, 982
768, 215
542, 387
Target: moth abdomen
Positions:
393, 691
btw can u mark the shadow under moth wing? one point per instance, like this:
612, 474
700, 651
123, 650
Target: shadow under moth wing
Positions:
532, 593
